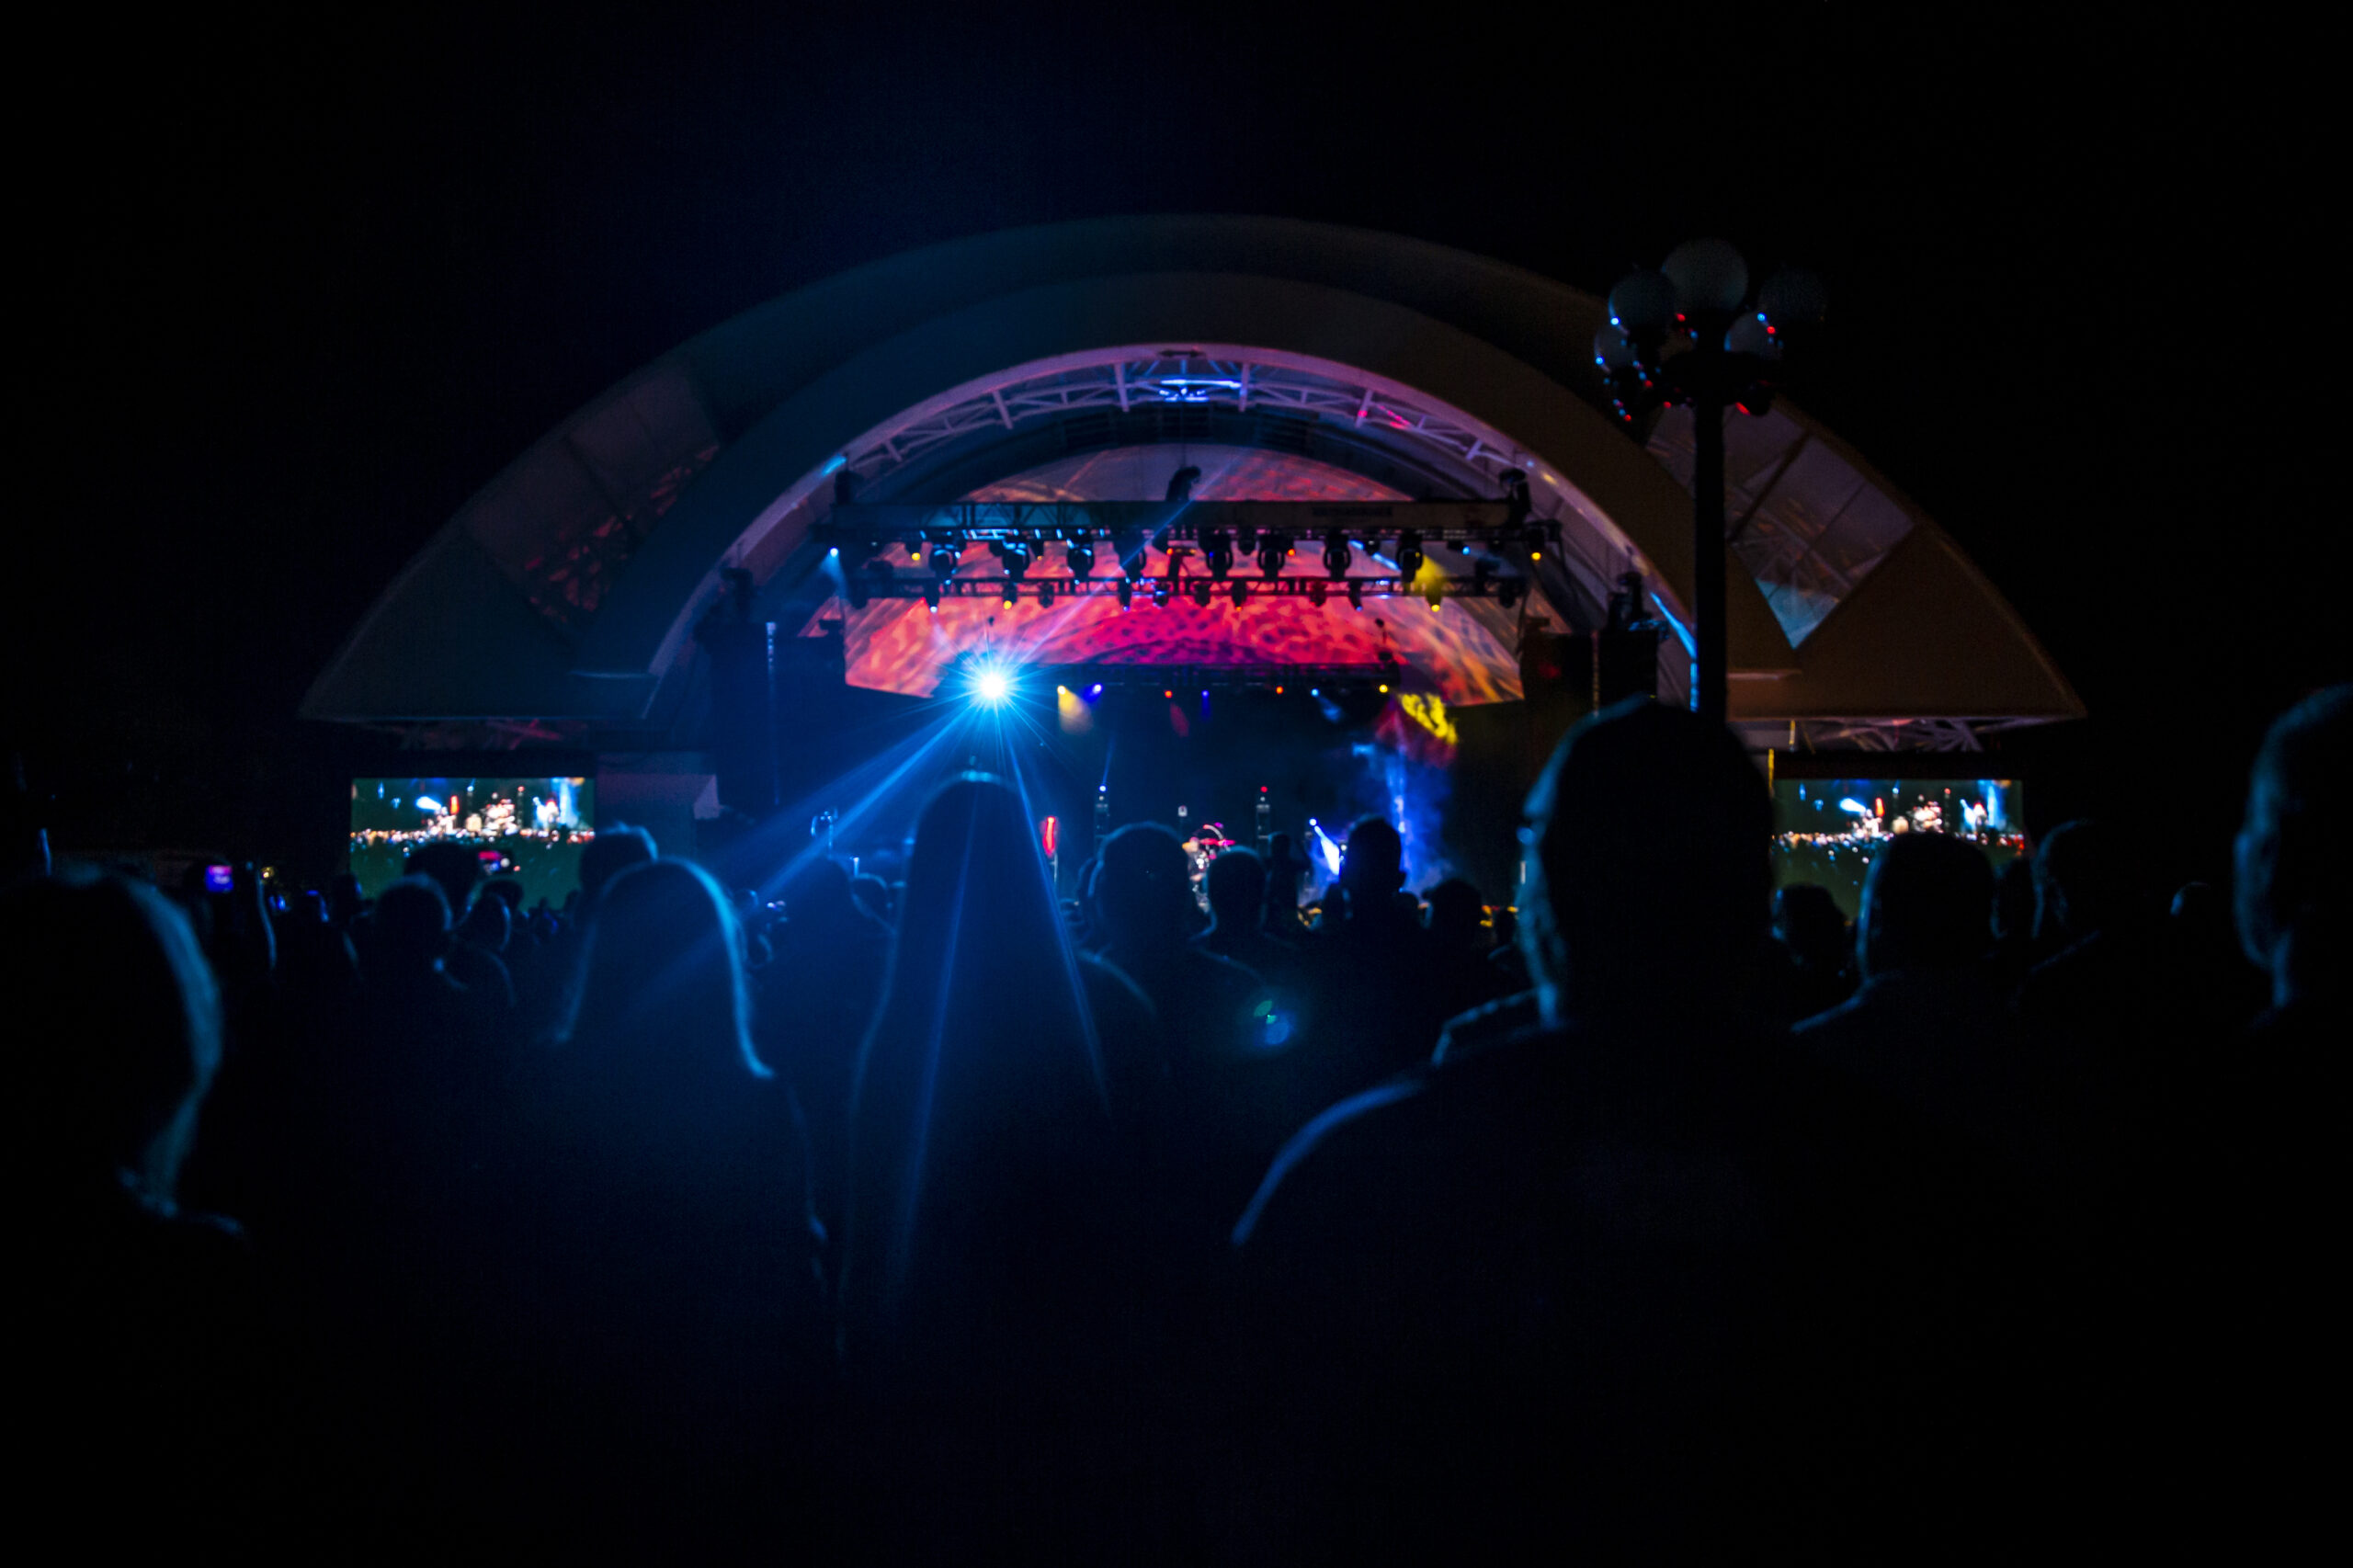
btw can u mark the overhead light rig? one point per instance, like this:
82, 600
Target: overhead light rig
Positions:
1204, 590
1219, 535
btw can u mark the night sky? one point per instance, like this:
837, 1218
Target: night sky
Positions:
300, 293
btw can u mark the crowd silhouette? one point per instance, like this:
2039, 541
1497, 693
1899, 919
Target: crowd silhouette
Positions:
939, 1220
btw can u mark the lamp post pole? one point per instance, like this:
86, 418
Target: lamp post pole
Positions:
1690, 333
1708, 553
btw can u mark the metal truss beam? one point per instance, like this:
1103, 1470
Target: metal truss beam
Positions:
1898, 734
1492, 523
866, 586
1183, 381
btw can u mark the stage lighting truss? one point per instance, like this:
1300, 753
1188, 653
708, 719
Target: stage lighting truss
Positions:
1504, 591
1263, 529
1219, 535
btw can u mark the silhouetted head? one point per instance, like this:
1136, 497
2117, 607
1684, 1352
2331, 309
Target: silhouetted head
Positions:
455, 866
2197, 906
1237, 887
1458, 913
820, 892
2084, 881
118, 1027
1145, 886
411, 925
346, 899
2013, 918
489, 925
1650, 887
1373, 864
1806, 921
2201, 920
2294, 855
613, 850
1284, 860
977, 918
661, 990
508, 891
873, 895
1924, 906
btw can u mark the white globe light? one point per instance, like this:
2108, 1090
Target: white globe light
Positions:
1708, 274
1643, 302
1750, 334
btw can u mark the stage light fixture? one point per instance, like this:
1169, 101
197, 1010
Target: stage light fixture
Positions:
1012, 596
1130, 544
1355, 595
931, 599
1435, 593
1507, 592
1081, 556
1246, 539
1316, 594
1161, 593
1536, 545
1201, 592
1016, 558
1273, 549
945, 554
1127, 592
1409, 554
1241, 592
992, 687
1483, 578
1336, 553
1218, 545
1045, 596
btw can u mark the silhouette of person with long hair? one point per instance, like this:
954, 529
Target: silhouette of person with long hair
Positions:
667, 1298
142, 1318
995, 1200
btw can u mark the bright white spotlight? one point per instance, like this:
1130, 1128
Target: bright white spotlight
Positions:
991, 687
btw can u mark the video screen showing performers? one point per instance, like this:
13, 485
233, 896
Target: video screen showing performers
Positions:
530, 829
1828, 831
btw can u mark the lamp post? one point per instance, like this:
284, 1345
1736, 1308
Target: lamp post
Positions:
1689, 332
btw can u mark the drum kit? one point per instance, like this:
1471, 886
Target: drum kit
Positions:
1207, 842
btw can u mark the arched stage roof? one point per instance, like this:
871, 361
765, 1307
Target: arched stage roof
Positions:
1079, 360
